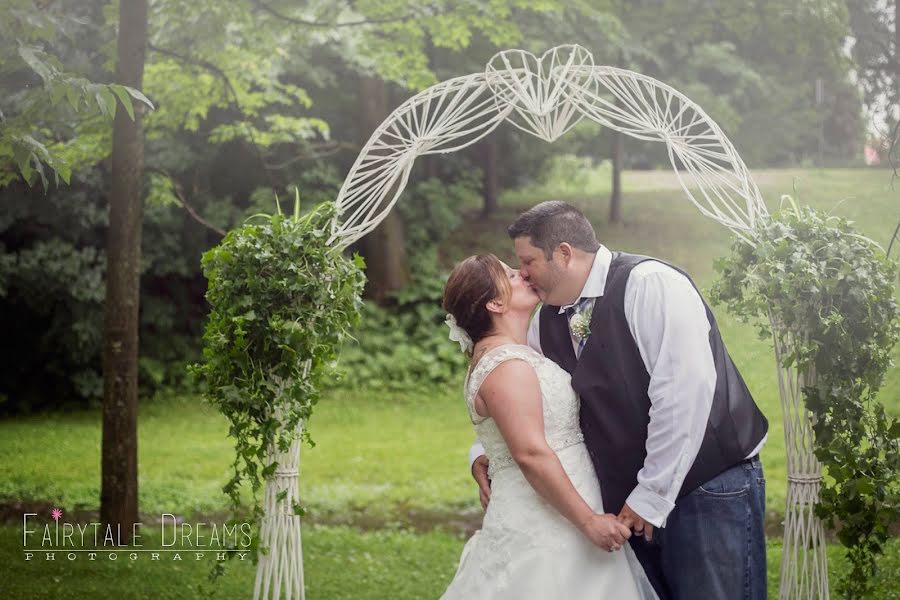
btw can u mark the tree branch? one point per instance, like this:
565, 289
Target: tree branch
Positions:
895, 166
324, 150
176, 188
887, 67
204, 64
303, 22
893, 239
879, 45
199, 62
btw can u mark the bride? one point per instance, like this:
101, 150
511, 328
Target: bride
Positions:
544, 533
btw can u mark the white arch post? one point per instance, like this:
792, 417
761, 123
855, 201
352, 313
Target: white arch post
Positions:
279, 572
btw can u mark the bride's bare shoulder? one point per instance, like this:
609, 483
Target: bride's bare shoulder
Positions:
512, 372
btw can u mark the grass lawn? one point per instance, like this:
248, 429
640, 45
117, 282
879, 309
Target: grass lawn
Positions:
377, 456
387, 462
339, 563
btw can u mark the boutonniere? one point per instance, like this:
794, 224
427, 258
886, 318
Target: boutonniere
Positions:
581, 324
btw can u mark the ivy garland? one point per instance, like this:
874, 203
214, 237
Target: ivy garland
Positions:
831, 292
281, 302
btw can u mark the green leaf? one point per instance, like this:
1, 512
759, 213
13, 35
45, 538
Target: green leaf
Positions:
73, 97
137, 95
39, 169
107, 108
26, 169
124, 98
269, 470
30, 55
63, 169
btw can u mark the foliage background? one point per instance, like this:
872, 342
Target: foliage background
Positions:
253, 98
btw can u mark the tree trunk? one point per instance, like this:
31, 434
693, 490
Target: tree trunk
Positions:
430, 168
384, 249
119, 493
385, 254
897, 54
615, 198
491, 182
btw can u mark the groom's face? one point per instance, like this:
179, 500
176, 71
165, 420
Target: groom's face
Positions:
543, 275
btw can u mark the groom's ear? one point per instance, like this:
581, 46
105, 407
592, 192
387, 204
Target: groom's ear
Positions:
566, 250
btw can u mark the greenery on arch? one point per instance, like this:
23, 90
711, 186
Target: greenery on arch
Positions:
831, 292
281, 300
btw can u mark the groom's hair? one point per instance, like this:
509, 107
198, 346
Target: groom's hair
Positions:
551, 223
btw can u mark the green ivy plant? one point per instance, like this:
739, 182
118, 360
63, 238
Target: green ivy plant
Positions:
281, 301
831, 292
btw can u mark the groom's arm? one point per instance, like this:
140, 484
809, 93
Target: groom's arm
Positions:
669, 324
474, 452
478, 467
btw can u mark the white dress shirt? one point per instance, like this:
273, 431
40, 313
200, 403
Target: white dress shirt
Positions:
668, 322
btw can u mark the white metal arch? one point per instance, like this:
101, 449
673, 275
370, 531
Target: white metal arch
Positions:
546, 97
444, 118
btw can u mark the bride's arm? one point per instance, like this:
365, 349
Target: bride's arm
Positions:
512, 397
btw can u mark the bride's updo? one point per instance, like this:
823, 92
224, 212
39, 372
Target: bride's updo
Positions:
473, 283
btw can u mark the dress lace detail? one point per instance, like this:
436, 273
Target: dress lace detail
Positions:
556, 445
561, 404
526, 550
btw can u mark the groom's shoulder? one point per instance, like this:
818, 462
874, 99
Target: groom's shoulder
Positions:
640, 264
653, 269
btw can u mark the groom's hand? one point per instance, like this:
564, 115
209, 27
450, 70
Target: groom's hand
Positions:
480, 473
633, 521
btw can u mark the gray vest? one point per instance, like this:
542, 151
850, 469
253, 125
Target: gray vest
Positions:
612, 382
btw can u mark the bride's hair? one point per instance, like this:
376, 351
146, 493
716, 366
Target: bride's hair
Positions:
473, 283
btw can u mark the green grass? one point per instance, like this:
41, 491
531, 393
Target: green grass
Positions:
339, 563
377, 455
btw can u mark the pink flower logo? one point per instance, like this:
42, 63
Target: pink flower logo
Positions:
56, 514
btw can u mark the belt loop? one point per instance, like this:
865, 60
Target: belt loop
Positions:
751, 463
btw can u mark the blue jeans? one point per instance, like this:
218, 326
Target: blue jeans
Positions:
713, 545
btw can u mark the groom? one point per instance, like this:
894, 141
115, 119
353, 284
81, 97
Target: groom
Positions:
671, 428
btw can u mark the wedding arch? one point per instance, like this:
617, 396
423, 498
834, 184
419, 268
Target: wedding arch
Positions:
546, 96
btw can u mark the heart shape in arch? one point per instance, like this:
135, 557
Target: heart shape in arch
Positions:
540, 90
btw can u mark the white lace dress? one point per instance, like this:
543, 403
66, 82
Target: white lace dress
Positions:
525, 548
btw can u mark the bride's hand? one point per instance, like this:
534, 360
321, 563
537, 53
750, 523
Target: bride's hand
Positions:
605, 531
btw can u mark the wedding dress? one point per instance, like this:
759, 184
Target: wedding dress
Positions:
525, 548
